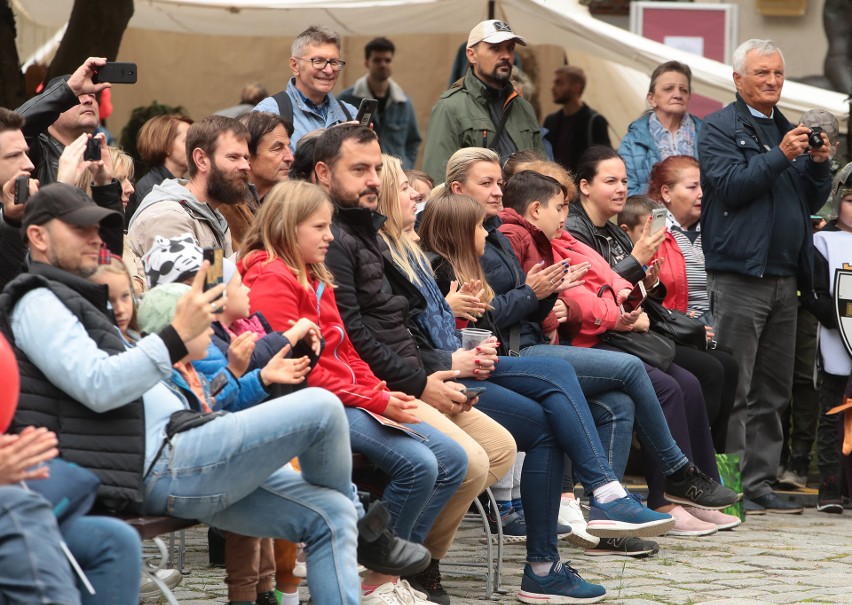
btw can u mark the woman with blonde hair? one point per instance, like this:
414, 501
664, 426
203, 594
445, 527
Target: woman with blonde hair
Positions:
538, 401
282, 261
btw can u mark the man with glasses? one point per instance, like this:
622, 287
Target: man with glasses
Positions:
307, 103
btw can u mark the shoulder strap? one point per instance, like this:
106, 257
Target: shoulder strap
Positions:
285, 106
343, 109
592, 115
507, 107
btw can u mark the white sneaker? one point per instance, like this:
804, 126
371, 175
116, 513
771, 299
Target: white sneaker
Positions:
411, 596
571, 513
149, 590
386, 594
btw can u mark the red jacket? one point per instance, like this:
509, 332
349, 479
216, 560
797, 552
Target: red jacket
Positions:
599, 313
277, 293
673, 274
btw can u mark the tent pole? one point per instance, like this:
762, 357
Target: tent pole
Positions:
491, 4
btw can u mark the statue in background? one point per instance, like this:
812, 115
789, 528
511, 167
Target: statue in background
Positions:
837, 22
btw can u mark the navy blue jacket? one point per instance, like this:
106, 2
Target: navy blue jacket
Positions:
515, 303
740, 180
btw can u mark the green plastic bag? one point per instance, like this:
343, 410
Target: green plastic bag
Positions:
729, 472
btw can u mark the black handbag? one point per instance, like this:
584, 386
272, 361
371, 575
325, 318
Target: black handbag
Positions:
677, 325
652, 348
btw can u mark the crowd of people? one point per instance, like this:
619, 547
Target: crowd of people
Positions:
281, 290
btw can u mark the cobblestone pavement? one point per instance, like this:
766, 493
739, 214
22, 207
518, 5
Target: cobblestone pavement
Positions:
769, 559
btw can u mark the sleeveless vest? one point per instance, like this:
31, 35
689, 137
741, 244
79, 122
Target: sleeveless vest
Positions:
111, 444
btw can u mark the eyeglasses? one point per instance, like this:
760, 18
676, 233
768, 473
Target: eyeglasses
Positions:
319, 64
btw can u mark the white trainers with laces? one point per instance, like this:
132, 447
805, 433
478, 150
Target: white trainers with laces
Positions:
386, 594
410, 595
571, 513
149, 590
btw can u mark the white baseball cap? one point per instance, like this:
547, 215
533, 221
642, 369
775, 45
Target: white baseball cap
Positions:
493, 31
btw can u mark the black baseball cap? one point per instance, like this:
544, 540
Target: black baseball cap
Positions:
68, 204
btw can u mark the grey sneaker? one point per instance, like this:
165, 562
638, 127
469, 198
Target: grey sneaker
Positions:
624, 547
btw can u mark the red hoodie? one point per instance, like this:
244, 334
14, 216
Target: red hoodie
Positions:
673, 274
277, 293
599, 313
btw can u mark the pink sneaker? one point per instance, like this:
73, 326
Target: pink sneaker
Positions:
687, 525
716, 517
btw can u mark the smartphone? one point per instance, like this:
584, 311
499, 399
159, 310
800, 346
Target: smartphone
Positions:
214, 271
634, 299
218, 383
473, 392
366, 110
658, 219
22, 189
92, 153
116, 72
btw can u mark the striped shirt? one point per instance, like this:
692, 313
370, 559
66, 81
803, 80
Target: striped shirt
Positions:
693, 255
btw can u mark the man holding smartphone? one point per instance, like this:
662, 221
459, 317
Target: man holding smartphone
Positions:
308, 103
394, 121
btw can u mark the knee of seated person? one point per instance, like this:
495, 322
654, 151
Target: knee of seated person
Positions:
115, 537
15, 499
336, 514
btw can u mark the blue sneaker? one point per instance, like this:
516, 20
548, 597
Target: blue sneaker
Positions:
514, 527
561, 585
626, 517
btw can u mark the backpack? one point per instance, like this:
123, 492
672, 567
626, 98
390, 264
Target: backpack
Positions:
285, 108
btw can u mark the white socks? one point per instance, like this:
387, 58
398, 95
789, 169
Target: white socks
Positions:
609, 492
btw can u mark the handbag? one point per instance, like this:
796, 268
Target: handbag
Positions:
677, 325
651, 347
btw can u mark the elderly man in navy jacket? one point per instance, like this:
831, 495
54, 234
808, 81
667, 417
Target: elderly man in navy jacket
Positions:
762, 178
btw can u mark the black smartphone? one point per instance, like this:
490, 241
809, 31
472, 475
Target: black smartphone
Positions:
92, 153
218, 383
22, 189
116, 72
214, 271
634, 299
473, 392
366, 110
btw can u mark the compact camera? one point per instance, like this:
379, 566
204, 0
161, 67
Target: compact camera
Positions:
814, 138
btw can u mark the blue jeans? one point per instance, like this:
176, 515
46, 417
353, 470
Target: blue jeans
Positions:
32, 566
424, 474
541, 405
110, 553
601, 371
229, 473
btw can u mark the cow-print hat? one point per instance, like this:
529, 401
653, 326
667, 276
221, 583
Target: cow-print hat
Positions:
172, 260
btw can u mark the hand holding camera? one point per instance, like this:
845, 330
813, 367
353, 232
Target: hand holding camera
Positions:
16, 191
86, 152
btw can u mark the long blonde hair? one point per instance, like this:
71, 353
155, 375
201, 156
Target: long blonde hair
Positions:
122, 164
274, 229
448, 228
404, 251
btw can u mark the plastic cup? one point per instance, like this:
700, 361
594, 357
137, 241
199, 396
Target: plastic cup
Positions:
471, 337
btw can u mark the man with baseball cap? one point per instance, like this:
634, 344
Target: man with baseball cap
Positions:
483, 109
111, 410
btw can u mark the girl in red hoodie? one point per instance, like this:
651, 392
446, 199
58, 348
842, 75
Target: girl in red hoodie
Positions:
283, 263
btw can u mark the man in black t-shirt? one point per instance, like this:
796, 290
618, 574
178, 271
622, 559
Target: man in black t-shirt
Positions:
576, 126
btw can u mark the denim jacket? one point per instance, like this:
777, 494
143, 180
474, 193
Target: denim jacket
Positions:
305, 118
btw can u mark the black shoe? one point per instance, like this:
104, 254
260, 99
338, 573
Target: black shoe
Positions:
266, 598
752, 508
428, 581
830, 500
772, 503
379, 549
624, 547
699, 490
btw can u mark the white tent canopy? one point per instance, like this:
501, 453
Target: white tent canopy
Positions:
625, 58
